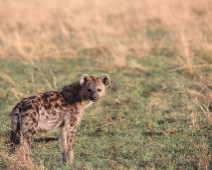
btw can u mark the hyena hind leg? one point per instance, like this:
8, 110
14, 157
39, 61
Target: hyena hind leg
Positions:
28, 130
14, 135
14, 140
23, 149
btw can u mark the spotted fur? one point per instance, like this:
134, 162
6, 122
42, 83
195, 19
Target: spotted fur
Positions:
61, 108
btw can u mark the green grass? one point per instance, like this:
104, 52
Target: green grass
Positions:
144, 121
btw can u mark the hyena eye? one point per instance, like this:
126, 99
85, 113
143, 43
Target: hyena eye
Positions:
89, 90
99, 90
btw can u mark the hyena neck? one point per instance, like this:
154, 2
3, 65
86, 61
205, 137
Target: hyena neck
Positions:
72, 96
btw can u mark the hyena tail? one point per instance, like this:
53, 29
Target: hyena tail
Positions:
15, 127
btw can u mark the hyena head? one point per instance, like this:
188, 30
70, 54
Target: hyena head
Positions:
93, 86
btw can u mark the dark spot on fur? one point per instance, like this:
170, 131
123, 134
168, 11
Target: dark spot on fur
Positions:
45, 97
27, 107
57, 96
37, 108
47, 117
26, 123
73, 119
48, 106
33, 101
33, 119
72, 109
56, 105
25, 115
52, 100
62, 124
73, 124
33, 132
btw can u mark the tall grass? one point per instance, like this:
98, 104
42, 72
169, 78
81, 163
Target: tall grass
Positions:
53, 29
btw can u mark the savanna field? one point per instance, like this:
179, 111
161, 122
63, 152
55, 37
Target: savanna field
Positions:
157, 114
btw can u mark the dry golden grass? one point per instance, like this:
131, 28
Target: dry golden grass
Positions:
202, 96
54, 29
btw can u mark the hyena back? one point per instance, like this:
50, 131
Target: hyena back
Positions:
60, 108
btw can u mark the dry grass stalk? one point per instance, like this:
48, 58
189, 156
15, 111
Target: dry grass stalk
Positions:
203, 97
55, 29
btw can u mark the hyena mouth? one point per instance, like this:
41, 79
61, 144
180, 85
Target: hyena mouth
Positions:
94, 99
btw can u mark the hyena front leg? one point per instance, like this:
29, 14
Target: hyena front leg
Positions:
63, 136
70, 141
67, 140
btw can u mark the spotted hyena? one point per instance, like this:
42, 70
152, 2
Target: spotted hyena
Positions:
61, 108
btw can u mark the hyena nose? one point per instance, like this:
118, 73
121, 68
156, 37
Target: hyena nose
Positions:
94, 98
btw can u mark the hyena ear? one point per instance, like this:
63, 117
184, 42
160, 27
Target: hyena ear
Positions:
84, 79
106, 80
